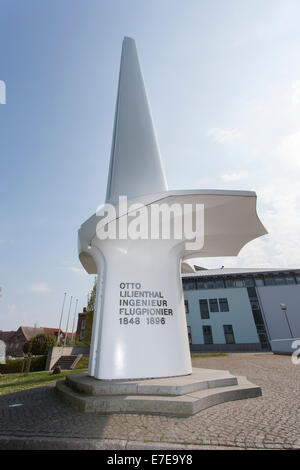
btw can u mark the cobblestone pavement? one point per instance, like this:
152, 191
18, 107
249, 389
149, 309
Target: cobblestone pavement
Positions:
270, 421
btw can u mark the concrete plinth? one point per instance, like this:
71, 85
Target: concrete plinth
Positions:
185, 395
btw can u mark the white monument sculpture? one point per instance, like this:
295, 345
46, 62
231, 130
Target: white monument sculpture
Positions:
139, 327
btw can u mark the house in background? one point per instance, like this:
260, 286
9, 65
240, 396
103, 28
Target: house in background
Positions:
15, 340
81, 324
6, 337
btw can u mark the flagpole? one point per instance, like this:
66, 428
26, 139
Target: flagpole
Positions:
68, 320
61, 316
74, 321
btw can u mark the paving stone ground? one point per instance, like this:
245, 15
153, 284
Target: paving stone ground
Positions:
268, 422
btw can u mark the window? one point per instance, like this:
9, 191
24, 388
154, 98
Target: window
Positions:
279, 281
186, 305
204, 309
213, 305
298, 279
219, 284
210, 284
249, 282
189, 334
259, 281
189, 284
229, 283
83, 324
200, 284
223, 305
269, 281
252, 292
290, 280
239, 283
258, 319
207, 334
228, 332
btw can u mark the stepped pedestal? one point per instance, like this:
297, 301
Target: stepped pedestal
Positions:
184, 395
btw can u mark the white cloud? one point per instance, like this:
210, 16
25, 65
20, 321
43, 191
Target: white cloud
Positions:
40, 287
290, 150
234, 176
76, 270
296, 92
223, 135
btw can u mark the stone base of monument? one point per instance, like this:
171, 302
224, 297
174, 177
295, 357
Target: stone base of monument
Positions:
184, 395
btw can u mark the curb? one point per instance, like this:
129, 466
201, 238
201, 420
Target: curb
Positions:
51, 443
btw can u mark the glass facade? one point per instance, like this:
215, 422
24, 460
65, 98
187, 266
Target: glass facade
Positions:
230, 281
258, 318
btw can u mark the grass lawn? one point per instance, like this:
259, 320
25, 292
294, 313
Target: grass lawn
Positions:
10, 383
83, 363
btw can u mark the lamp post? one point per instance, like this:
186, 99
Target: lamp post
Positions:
284, 309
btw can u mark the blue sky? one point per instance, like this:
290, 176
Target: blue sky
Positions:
223, 79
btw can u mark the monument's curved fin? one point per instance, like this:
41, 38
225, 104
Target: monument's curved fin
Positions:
135, 162
187, 267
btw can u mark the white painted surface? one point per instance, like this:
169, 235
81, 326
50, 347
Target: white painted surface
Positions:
135, 166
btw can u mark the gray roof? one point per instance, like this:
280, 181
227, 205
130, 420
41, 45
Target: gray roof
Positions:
30, 332
236, 271
6, 335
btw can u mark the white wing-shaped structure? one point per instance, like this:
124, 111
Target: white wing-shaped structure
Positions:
135, 163
139, 328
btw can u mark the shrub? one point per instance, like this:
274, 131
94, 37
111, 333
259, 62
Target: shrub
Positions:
38, 363
27, 346
12, 366
41, 343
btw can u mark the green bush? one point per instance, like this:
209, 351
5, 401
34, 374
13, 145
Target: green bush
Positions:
12, 366
38, 363
41, 343
27, 347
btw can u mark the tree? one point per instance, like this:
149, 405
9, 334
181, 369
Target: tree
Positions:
90, 314
41, 343
27, 346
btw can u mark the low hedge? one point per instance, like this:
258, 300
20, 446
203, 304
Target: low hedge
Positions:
12, 366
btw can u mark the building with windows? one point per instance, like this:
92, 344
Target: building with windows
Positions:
15, 340
81, 324
241, 309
